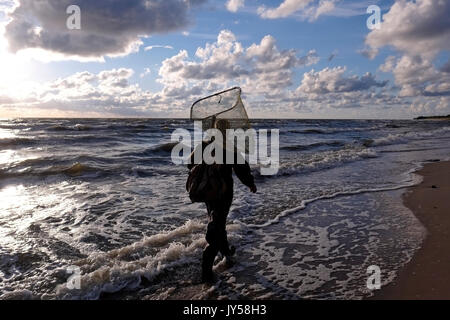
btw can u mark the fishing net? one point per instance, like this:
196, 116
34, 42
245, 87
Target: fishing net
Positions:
225, 105
222, 105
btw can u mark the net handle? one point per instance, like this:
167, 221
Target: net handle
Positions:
216, 94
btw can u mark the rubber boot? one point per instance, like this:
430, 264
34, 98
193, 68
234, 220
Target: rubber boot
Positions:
209, 254
229, 260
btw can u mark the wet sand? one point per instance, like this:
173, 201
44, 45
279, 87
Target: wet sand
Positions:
427, 276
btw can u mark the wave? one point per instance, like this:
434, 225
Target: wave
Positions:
29, 170
19, 142
76, 169
15, 142
76, 127
308, 131
159, 148
114, 271
134, 128
111, 271
312, 146
334, 130
401, 138
323, 160
165, 147
14, 126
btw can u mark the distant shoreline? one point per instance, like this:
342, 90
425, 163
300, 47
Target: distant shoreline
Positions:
447, 117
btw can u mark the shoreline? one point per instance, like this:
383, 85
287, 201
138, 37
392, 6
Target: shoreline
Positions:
427, 275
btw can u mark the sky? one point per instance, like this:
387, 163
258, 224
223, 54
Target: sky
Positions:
292, 58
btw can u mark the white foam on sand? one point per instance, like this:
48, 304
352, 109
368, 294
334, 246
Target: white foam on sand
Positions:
304, 203
324, 252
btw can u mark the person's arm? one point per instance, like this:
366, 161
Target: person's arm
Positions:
244, 173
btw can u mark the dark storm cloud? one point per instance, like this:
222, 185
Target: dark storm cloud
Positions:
107, 26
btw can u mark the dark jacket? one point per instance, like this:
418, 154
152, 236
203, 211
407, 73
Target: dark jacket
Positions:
242, 171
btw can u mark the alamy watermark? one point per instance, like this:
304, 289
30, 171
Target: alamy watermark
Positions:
74, 281
253, 144
374, 280
374, 21
73, 22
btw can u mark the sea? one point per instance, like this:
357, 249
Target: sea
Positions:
96, 209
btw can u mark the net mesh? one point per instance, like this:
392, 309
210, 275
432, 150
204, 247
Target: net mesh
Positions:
223, 105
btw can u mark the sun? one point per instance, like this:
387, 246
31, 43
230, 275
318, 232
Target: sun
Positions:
13, 68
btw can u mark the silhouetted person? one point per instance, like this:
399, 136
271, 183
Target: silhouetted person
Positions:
216, 234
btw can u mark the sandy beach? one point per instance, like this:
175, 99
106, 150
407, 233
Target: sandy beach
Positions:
427, 276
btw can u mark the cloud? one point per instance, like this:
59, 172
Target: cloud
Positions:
351, 9
325, 6
108, 27
5, 100
234, 5
332, 80
85, 85
419, 31
369, 53
305, 9
332, 55
261, 67
157, 46
147, 71
388, 64
106, 93
266, 73
415, 28
327, 90
417, 76
446, 67
285, 9
7, 6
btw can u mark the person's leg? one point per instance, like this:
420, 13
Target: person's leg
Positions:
209, 254
219, 217
211, 250
216, 235
225, 249
222, 238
